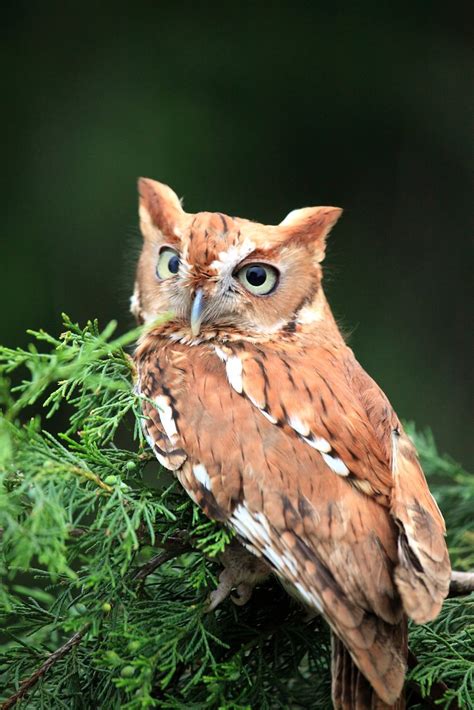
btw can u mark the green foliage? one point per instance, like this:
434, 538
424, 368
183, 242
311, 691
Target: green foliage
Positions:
445, 651
97, 538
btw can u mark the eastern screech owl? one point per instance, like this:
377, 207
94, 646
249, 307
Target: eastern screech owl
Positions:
274, 428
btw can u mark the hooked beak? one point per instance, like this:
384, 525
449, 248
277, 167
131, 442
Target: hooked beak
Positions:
197, 310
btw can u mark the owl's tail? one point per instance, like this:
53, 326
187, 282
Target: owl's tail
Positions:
350, 689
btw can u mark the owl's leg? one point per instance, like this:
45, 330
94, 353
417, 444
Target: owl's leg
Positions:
242, 572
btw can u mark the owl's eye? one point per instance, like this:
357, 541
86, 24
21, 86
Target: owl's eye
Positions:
259, 279
168, 263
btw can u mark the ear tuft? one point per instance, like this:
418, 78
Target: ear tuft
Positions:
160, 209
311, 225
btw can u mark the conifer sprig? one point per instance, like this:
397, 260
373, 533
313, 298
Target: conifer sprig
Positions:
100, 545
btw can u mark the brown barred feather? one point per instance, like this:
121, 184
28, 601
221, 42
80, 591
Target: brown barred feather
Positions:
350, 688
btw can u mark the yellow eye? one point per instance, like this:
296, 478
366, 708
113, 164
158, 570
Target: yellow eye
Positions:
168, 263
259, 279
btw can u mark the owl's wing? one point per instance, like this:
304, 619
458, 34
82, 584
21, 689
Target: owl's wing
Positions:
423, 572
312, 501
325, 396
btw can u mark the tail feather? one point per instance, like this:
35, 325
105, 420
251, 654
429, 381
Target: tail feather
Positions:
350, 688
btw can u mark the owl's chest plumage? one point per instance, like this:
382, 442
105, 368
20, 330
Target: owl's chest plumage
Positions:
284, 411
237, 425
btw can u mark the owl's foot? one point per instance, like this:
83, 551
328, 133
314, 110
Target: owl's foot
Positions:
226, 584
242, 572
244, 592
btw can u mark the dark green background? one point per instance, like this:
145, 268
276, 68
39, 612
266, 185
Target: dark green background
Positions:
252, 109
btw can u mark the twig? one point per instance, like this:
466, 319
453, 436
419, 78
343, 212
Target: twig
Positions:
174, 546
461, 583
156, 561
78, 532
53, 658
90, 476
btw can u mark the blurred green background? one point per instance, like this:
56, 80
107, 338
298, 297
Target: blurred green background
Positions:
252, 109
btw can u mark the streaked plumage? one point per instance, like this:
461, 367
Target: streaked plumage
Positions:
273, 428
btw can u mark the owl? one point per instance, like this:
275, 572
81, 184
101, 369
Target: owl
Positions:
252, 397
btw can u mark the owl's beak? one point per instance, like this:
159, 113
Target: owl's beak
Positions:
197, 311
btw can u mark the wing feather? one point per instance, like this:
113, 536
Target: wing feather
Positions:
310, 393
423, 572
334, 403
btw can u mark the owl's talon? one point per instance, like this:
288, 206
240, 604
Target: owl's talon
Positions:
221, 592
244, 592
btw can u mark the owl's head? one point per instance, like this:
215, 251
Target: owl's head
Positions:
222, 276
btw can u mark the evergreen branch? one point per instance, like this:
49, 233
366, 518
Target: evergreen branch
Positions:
53, 658
436, 692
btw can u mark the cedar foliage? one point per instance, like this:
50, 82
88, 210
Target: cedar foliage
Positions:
101, 546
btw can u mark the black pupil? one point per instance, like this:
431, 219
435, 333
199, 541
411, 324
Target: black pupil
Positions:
173, 264
256, 275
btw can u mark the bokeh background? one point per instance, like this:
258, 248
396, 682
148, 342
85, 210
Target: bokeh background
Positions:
252, 109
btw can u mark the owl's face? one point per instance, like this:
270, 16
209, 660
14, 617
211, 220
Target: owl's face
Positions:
218, 275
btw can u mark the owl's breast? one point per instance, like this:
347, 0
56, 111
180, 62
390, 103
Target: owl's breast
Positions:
262, 478
230, 452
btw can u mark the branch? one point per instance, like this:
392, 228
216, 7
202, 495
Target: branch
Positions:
50, 661
174, 546
461, 583
156, 561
